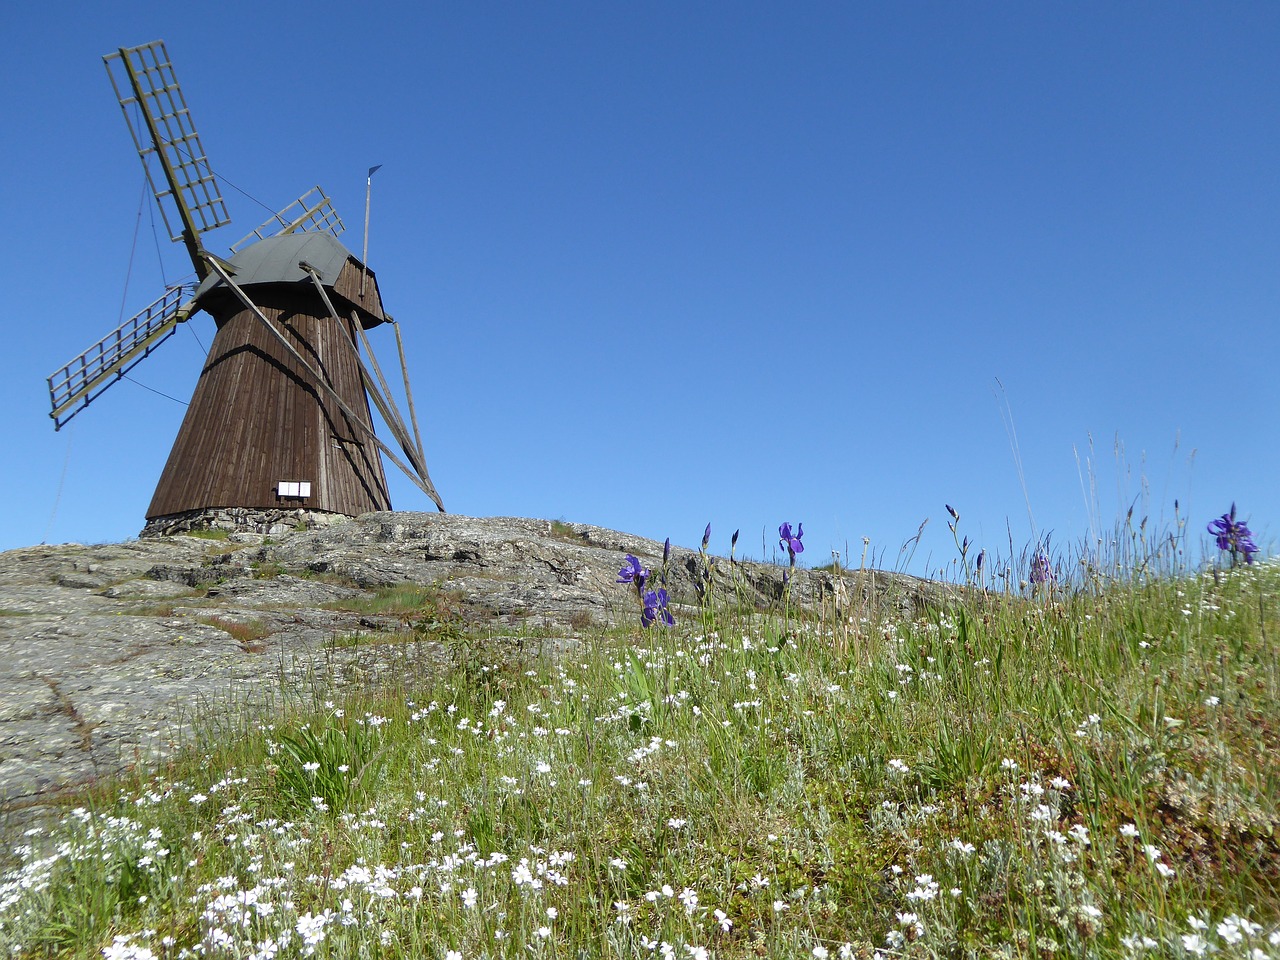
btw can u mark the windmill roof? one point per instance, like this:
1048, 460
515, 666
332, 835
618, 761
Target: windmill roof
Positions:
275, 260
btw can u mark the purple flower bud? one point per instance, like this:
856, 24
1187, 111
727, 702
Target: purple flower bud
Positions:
733, 541
952, 510
666, 551
706, 537
982, 557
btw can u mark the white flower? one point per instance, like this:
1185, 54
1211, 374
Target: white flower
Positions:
675, 823
1152, 851
1194, 943
898, 766
618, 863
311, 929
779, 906
469, 897
453, 955
121, 949
1211, 701
1165, 870
543, 932
722, 918
552, 913
1129, 830
820, 952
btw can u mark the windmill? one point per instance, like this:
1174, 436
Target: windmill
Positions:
279, 420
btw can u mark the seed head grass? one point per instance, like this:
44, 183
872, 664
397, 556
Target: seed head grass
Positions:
1075, 772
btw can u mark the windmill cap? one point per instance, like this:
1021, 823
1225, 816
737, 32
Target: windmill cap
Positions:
275, 260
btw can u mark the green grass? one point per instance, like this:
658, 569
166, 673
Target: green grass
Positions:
1057, 776
400, 600
562, 530
209, 533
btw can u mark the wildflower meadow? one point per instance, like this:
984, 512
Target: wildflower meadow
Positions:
1065, 757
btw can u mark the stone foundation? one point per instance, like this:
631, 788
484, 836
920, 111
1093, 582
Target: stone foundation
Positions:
242, 520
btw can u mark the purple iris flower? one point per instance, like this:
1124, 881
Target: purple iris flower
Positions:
633, 573
1234, 535
1041, 569
655, 608
792, 543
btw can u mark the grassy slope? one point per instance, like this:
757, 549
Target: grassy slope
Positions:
1006, 777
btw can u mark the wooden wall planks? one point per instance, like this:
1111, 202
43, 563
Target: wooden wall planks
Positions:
256, 418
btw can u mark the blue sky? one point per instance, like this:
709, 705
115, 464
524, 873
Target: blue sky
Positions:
664, 264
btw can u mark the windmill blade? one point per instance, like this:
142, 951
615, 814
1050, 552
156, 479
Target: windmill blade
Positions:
160, 123
73, 386
311, 211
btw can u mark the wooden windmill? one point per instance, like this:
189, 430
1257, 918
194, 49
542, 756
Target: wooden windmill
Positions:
279, 419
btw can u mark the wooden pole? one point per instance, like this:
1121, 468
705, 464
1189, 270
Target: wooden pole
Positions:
385, 404
408, 391
364, 253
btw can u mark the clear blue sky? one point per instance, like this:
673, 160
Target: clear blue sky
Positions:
664, 264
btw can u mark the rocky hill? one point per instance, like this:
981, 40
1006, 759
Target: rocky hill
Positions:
108, 652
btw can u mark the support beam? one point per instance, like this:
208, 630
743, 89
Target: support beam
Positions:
421, 458
408, 391
382, 400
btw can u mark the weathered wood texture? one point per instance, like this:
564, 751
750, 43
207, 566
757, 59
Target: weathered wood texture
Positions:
256, 418
347, 287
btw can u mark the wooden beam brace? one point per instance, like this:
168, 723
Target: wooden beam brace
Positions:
408, 391
421, 457
382, 400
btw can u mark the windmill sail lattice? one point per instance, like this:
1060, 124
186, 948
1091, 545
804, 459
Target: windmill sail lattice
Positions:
73, 386
311, 211
158, 118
